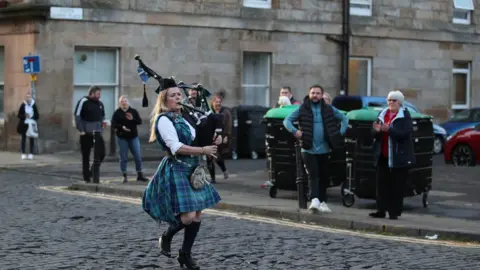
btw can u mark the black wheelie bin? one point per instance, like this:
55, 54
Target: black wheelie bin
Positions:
250, 131
281, 157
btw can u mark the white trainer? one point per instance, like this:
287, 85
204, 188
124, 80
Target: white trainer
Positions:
24, 156
30, 156
324, 207
315, 204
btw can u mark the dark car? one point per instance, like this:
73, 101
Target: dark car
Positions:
349, 103
463, 147
464, 119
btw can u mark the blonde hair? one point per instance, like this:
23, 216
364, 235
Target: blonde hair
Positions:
120, 100
160, 107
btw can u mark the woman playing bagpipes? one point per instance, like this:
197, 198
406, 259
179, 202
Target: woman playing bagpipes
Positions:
178, 192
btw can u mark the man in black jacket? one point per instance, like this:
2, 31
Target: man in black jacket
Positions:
89, 118
319, 133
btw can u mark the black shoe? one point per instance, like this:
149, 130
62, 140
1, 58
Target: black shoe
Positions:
125, 178
187, 260
165, 245
377, 215
142, 178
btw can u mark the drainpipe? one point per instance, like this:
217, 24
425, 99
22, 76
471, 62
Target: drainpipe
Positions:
344, 41
346, 45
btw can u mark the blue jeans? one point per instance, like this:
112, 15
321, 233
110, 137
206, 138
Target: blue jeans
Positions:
134, 146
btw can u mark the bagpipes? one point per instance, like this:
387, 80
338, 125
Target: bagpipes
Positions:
207, 123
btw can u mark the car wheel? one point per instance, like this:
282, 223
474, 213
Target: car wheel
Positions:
437, 145
462, 155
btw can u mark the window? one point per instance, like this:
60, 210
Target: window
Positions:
2, 59
257, 3
360, 76
256, 79
96, 67
462, 11
461, 85
361, 7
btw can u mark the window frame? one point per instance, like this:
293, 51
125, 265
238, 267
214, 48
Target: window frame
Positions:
467, 71
366, 12
269, 75
369, 72
116, 85
468, 9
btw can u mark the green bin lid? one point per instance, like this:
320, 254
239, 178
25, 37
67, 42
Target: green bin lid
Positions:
282, 112
371, 113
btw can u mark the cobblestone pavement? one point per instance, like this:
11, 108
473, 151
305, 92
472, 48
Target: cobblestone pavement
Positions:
42, 229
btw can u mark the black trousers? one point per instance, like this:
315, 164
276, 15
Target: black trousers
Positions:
316, 167
24, 142
87, 142
390, 188
211, 164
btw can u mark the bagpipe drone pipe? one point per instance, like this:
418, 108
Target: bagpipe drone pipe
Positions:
207, 123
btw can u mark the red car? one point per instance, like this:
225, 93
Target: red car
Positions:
463, 147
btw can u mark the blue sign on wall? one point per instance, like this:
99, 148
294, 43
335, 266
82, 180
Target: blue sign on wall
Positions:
31, 64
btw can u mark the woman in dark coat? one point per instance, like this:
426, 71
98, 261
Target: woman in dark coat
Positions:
393, 155
216, 105
28, 110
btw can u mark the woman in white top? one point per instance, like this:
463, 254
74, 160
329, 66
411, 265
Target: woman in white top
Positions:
27, 112
169, 196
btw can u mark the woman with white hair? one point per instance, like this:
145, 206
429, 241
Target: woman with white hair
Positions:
393, 155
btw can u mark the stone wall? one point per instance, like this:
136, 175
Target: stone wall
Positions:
208, 55
17, 40
422, 69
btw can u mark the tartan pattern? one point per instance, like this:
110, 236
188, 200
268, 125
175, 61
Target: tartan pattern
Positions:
169, 193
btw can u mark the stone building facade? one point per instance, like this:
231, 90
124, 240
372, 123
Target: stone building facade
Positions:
250, 52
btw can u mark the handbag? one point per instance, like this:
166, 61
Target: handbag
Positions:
32, 130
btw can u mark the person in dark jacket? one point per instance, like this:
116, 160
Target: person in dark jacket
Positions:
89, 118
216, 105
28, 110
286, 91
393, 155
319, 133
125, 121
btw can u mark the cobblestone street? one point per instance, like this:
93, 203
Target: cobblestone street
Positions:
42, 229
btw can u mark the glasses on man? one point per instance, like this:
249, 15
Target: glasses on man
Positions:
392, 100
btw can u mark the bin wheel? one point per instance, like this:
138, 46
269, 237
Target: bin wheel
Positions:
273, 192
254, 155
348, 200
425, 199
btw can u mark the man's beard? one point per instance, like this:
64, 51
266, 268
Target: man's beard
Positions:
315, 101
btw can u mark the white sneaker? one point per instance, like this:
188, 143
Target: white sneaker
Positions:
324, 207
314, 205
30, 156
24, 156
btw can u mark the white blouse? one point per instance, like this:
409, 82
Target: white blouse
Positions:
169, 133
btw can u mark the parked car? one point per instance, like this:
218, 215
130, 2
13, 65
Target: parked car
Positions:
349, 103
463, 147
461, 120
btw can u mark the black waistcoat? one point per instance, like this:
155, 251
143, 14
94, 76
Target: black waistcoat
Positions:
331, 125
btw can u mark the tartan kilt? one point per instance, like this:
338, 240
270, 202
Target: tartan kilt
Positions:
169, 193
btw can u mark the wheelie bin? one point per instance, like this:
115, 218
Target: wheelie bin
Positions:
281, 157
361, 173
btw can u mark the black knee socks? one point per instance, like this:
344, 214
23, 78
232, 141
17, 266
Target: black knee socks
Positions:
174, 229
190, 235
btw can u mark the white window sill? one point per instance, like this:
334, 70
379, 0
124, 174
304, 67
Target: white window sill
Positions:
460, 107
461, 21
364, 12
